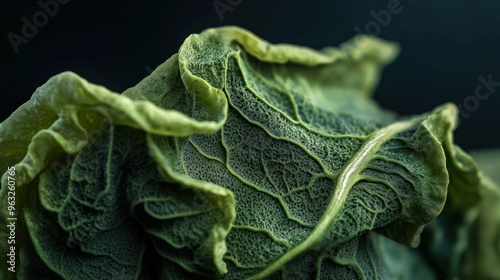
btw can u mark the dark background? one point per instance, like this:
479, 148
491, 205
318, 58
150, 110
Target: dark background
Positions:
446, 46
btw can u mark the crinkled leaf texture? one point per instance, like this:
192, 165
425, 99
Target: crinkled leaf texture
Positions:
464, 241
234, 159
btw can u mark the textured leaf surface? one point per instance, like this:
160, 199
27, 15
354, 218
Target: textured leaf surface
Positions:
101, 208
234, 159
482, 228
318, 172
463, 242
482, 254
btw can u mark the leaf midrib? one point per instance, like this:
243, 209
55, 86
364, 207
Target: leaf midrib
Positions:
346, 180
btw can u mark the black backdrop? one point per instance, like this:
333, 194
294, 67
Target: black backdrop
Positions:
446, 46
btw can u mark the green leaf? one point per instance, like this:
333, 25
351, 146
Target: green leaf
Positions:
85, 195
369, 256
489, 163
463, 241
483, 249
234, 159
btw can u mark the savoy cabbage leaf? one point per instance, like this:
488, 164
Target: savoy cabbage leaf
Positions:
464, 242
236, 159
